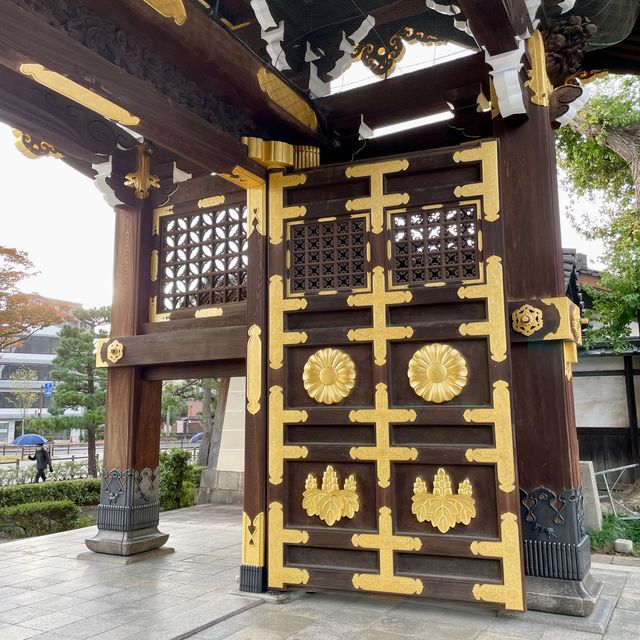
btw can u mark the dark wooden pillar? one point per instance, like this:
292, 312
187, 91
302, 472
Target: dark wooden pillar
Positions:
554, 538
633, 412
129, 508
253, 573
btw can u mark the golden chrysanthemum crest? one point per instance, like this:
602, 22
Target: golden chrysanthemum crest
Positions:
437, 372
329, 376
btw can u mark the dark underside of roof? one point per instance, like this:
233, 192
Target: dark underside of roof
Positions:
321, 31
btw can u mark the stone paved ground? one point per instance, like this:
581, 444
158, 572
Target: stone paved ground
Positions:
46, 592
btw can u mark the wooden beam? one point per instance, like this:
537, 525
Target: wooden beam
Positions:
496, 23
26, 38
404, 97
71, 128
181, 347
208, 53
217, 369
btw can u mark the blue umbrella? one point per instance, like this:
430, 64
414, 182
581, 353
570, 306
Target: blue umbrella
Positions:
29, 438
197, 438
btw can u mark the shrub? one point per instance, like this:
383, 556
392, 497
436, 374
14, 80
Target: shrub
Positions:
80, 492
67, 470
40, 518
179, 479
612, 529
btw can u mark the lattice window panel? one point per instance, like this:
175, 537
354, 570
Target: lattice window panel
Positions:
436, 245
328, 255
203, 259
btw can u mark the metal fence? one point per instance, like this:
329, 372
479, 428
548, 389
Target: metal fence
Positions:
69, 461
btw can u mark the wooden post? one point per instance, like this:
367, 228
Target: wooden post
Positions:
129, 508
554, 537
253, 569
633, 413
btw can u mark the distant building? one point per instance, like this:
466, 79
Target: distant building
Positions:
606, 385
36, 352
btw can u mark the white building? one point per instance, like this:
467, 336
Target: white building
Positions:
36, 352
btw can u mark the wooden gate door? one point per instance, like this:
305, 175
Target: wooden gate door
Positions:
390, 444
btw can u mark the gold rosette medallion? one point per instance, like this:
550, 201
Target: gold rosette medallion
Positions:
437, 372
329, 376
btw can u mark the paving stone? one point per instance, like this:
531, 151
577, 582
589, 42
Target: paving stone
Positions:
167, 597
51, 620
380, 635
15, 632
219, 631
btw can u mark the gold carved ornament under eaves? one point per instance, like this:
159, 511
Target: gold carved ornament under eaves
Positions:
172, 9
437, 372
443, 508
32, 148
329, 502
76, 92
382, 59
329, 376
538, 82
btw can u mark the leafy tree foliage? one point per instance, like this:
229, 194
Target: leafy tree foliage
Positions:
22, 314
176, 395
600, 154
80, 384
23, 396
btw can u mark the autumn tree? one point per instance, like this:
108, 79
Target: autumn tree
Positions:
23, 396
22, 314
600, 153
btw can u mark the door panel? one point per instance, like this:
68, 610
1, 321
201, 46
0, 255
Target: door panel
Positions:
391, 453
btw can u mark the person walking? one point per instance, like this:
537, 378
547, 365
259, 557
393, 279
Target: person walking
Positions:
43, 460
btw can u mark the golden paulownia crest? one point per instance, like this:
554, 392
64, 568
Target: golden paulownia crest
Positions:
437, 372
443, 508
115, 351
527, 320
329, 502
329, 376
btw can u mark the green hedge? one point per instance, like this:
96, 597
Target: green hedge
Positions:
80, 492
40, 518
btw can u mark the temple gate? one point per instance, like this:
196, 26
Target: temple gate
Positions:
396, 303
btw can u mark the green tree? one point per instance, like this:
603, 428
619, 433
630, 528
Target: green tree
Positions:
23, 395
80, 385
212, 429
176, 395
600, 154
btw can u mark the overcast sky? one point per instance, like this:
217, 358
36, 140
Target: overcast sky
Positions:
59, 217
